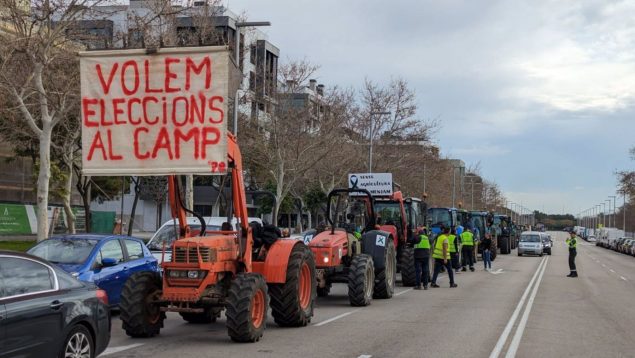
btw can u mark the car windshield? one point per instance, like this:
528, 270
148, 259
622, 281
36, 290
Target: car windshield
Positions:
440, 217
168, 233
530, 238
64, 251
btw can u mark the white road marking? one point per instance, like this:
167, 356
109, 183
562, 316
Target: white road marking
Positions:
113, 350
496, 272
512, 320
513, 347
336, 318
612, 270
603, 265
623, 278
365, 356
401, 293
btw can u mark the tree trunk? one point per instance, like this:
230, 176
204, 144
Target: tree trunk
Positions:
44, 176
68, 188
137, 191
309, 220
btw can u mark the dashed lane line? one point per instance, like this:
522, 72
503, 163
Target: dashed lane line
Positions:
113, 350
365, 356
612, 270
336, 318
401, 293
623, 278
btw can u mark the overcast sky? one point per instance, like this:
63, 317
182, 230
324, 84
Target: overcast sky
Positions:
541, 93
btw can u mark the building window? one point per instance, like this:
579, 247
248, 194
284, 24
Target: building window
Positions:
135, 38
252, 54
252, 80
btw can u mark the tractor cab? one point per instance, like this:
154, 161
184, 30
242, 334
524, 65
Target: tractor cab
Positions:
438, 218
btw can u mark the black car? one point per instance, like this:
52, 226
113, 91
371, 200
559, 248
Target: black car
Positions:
45, 312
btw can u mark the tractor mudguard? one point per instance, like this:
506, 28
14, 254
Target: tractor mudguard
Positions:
374, 244
274, 268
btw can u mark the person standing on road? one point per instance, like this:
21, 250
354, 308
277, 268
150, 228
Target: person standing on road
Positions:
467, 250
572, 244
441, 256
453, 244
421, 244
487, 251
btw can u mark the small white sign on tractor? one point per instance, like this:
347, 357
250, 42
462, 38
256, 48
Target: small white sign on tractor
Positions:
162, 113
378, 184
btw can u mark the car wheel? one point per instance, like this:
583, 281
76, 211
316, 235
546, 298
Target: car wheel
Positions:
78, 343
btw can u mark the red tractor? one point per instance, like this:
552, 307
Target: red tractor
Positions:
243, 272
402, 218
353, 250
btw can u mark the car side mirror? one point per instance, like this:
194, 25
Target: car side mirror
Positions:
108, 262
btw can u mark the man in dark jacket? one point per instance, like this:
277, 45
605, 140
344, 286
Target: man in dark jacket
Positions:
421, 245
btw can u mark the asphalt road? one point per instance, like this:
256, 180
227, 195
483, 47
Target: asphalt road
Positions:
525, 307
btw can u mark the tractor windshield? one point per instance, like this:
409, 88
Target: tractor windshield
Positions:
462, 218
440, 217
388, 213
350, 212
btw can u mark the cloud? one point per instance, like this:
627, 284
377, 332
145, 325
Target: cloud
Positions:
482, 150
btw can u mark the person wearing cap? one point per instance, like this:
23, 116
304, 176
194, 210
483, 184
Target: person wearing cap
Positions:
572, 244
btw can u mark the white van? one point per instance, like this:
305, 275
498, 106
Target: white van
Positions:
167, 233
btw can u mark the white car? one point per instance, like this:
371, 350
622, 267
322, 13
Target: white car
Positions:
591, 238
531, 242
167, 233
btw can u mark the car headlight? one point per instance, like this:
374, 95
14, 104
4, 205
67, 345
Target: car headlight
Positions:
75, 274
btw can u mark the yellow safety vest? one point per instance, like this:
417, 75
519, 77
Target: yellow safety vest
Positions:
424, 243
438, 247
451, 245
572, 243
467, 238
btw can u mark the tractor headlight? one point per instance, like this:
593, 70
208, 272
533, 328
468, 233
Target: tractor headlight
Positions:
177, 274
326, 260
192, 274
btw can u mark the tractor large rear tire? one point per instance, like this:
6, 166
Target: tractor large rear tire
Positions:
505, 246
140, 316
292, 302
361, 280
247, 308
407, 266
386, 277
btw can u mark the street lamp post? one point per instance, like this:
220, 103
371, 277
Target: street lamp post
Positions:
609, 218
624, 212
614, 209
237, 58
370, 135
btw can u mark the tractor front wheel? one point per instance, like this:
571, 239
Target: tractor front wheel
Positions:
292, 301
247, 308
386, 277
407, 265
140, 315
361, 280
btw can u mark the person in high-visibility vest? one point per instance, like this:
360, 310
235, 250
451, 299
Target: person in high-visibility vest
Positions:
421, 245
467, 250
572, 244
441, 256
453, 249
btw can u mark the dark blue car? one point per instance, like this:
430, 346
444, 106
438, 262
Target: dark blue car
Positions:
106, 260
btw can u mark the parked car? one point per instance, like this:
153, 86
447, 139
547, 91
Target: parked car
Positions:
167, 233
531, 242
627, 246
45, 312
547, 243
618, 244
106, 260
591, 238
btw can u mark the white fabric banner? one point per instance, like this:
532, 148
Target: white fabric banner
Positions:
155, 114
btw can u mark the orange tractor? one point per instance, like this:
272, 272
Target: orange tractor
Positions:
243, 271
353, 250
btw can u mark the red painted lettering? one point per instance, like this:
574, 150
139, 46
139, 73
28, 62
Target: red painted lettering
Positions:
97, 143
102, 107
184, 113
87, 112
137, 120
137, 154
115, 106
146, 70
163, 142
190, 66
106, 84
169, 75
210, 136
113, 156
191, 134
125, 75
196, 110
215, 108
145, 110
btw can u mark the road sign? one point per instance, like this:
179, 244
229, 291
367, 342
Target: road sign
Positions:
378, 184
154, 114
